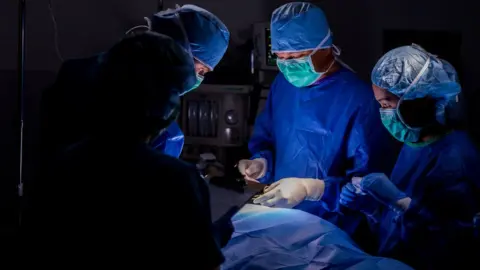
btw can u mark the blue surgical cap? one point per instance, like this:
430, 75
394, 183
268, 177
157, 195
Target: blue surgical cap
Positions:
207, 35
410, 72
299, 26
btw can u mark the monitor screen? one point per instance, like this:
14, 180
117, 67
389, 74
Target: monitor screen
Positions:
271, 58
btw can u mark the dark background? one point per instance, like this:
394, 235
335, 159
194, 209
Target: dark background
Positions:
363, 29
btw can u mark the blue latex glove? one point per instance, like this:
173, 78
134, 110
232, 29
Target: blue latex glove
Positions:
382, 189
355, 199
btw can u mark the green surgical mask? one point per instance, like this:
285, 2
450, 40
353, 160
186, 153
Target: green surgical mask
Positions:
196, 85
300, 72
397, 128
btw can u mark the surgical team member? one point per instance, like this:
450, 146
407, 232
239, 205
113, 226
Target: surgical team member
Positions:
423, 213
65, 106
209, 39
107, 205
320, 126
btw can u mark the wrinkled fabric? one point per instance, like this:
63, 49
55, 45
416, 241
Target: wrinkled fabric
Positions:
382, 189
208, 36
171, 141
443, 181
329, 131
398, 72
299, 26
268, 238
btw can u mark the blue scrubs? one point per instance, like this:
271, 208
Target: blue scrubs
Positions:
443, 180
171, 141
330, 130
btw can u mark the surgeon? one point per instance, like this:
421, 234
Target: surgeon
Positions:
208, 38
320, 126
423, 214
100, 203
65, 106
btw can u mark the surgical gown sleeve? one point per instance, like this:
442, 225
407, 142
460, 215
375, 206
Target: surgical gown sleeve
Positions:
261, 144
171, 141
369, 149
438, 223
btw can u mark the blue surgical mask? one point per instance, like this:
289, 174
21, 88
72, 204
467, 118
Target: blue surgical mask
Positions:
196, 85
300, 72
397, 128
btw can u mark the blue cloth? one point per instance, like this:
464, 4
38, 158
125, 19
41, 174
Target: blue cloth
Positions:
171, 141
442, 179
207, 34
273, 238
380, 187
328, 131
398, 69
299, 26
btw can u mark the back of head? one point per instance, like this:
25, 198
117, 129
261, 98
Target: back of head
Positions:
299, 26
208, 36
138, 85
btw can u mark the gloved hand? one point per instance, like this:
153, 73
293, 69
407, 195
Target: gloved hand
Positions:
223, 227
355, 199
382, 189
289, 192
253, 169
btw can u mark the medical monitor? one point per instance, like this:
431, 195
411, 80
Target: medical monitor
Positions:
264, 58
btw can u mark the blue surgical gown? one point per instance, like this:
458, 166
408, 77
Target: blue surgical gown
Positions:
443, 180
171, 141
330, 131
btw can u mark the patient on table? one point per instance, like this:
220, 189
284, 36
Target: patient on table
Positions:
275, 238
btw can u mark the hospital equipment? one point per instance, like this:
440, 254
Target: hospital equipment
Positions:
213, 120
264, 58
264, 63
